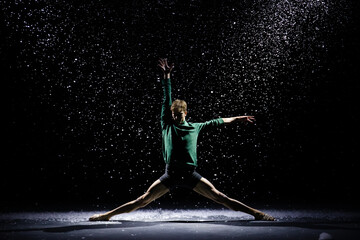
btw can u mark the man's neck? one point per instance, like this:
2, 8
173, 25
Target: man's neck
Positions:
181, 122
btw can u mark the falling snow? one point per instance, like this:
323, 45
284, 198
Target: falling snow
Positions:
92, 66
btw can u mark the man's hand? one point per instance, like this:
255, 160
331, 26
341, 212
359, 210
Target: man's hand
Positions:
163, 64
249, 119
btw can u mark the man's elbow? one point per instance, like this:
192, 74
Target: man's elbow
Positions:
227, 120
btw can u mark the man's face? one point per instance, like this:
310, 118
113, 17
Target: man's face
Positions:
178, 116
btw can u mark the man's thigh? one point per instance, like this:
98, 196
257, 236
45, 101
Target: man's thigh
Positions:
156, 190
206, 188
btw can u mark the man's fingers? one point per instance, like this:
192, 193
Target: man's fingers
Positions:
250, 119
163, 61
166, 63
161, 66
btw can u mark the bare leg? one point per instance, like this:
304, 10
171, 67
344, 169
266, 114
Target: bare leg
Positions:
205, 188
156, 190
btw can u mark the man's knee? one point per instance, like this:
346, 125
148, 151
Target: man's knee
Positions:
219, 196
144, 199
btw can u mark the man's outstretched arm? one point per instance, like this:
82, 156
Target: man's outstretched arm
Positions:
219, 121
249, 119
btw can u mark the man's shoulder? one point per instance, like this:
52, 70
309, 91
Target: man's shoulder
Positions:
194, 124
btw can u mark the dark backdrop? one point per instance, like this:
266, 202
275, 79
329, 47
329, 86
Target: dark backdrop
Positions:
83, 97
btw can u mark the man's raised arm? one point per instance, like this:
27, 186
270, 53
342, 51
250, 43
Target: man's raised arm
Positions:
166, 83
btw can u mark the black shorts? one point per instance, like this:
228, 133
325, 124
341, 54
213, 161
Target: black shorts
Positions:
180, 177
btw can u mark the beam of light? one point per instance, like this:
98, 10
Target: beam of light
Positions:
201, 215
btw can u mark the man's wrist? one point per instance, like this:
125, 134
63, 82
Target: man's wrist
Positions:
166, 75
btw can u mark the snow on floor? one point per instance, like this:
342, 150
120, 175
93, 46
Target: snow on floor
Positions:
160, 215
182, 224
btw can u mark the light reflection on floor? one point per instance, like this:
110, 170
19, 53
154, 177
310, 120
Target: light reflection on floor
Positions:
182, 224
160, 215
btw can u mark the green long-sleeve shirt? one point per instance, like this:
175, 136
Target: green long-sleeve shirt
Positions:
179, 141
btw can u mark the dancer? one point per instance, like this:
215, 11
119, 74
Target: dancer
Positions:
179, 140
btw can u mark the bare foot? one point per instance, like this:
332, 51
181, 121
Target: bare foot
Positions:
263, 217
99, 217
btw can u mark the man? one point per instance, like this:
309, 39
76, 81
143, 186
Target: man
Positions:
179, 141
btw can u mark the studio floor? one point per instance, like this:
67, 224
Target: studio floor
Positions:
183, 224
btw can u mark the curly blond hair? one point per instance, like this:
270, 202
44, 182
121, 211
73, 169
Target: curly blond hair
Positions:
178, 105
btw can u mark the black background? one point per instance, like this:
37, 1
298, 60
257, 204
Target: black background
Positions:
83, 97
